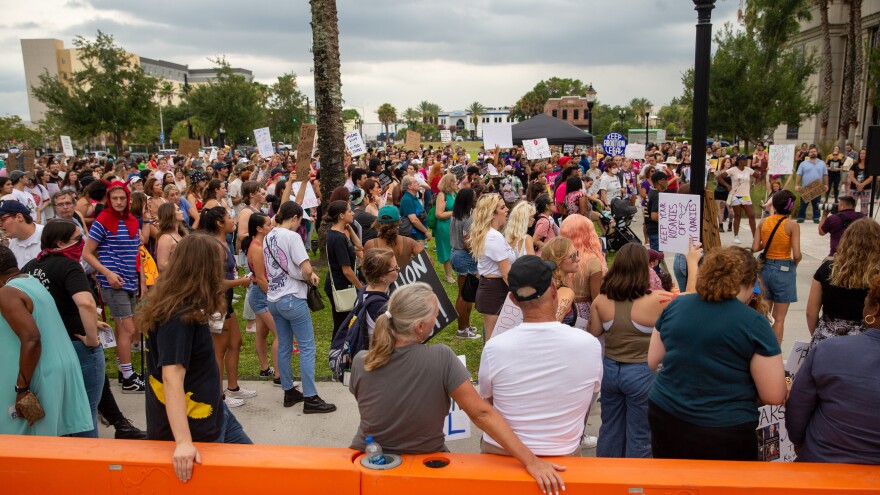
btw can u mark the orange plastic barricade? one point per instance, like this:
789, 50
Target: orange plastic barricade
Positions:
486, 474
44, 465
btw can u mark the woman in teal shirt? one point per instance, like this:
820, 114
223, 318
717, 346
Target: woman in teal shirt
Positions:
716, 358
443, 212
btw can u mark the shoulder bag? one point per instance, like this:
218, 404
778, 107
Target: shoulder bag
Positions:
313, 296
762, 256
344, 299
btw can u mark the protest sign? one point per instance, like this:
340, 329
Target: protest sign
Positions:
459, 171
22, 160
497, 135
568, 148
847, 164
212, 156
413, 141
796, 357
635, 151
384, 180
781, 159
614, 144
712, 163
354, 143
458, 423
679, 221
711, 237
445, 136
813, 190
188, 147
536, 148
421, 269
773, 442
307, 133
264, 142
67, 146
309, 200
509, 317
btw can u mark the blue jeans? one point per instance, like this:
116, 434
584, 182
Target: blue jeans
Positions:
654, 241
802, 213
232, 432
680, 270
292, 317
625, 431
91, 361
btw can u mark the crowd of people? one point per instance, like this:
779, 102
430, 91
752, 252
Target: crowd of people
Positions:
678, 359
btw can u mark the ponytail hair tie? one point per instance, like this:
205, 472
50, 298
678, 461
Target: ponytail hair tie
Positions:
790, 204
388, 314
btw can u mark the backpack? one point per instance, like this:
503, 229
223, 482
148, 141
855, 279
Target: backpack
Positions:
352, 336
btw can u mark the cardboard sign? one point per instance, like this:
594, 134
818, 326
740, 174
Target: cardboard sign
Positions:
781, 159
711, 237
307, 133
445, 136
813, 190
458, 423
536, 149
354, 143
421, 269
106, 337
614, 144
509, 317
413, 141
67, 146
264, 142
188, 147
500, 135
309, 200
773, 442
679, 221
635, 151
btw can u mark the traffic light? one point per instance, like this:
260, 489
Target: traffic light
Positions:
294, 120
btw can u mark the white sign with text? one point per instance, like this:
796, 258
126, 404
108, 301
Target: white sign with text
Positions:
458, 423
264, 142
781, 159
67, 146
354, 143
309, 200
635, 151
446, 136
679, 221
536, 149
509, 317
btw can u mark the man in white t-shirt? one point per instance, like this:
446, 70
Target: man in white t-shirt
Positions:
24, 235
19, 182
541, 375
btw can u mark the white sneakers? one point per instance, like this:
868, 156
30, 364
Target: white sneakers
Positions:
589, 441
241, 393
468, 333
736, 240
233, 402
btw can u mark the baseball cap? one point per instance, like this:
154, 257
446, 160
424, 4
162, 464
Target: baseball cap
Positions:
389, 214
529, 277
16, 175
13, 206
654, 255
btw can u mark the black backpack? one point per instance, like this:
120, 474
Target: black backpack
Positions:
352, 336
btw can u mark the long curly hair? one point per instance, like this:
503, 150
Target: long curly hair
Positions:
857, 259
725, 272
518, 225
555, 250
482, 215
582, 233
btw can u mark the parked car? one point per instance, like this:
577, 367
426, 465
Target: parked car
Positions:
168, 152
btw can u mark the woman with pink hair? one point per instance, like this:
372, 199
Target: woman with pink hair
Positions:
591, 264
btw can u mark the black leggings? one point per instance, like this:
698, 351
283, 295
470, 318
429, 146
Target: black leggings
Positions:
833, 186
673, 438
108, 406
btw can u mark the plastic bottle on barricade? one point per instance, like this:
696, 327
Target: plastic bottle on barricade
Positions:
374, 452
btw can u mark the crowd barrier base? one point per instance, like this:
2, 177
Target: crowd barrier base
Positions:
43, 465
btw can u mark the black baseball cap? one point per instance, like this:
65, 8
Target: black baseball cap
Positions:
13, 206
529, 277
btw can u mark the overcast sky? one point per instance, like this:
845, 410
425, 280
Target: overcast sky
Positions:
450, 52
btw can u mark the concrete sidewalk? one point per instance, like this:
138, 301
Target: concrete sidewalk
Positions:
267, 422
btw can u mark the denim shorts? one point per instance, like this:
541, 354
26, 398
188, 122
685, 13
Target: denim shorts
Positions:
779, 285
122, 303
257, 299
462, 262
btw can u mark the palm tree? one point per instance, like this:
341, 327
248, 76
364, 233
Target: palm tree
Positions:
827, 70
852, 74
166, 92
476, 110
411, 115
387, 116
424, 110
639, 106
434, 113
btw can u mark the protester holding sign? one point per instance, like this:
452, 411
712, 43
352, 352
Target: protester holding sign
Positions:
403, 388
710, 377
810, 170
494, 257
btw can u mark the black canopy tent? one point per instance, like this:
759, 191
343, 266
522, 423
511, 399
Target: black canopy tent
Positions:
557, 132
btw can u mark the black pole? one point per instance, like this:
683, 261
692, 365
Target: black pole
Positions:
647, 128
701, 95
189, 126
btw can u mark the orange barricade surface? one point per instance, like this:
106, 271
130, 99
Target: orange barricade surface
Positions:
45, 465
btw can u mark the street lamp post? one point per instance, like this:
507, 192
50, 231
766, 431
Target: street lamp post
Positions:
701, 95
647, 123
591, 99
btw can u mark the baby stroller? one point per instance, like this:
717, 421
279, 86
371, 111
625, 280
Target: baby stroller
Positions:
617, 224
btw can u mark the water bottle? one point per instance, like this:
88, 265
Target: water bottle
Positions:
374, 452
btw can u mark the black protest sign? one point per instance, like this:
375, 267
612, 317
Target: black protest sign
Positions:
420, 269
459, 171
384, 179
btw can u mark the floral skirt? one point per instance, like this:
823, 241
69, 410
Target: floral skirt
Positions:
832, 327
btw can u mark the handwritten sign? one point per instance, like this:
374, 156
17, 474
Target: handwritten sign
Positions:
773, 442
421, 269
679, 221
509, 317
354, 143
796, 357
413, 140
67, 146
614, 144
188, 147
500, 135
635, 151
813, 190
213, 156
458, 170
847, 164
458, 424
568, 148
445, 136
304, 149
781, 159
264, 142
536, 148
309, 200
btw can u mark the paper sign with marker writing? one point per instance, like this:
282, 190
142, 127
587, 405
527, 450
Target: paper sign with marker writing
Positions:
679, 221
445, 136
67, 146
413, 141
309, 200
781, 159
355, 144
635, 151
458, 423
212, 156
264, 142
536, 148
509, 317
773, 442
796, 357
500, 135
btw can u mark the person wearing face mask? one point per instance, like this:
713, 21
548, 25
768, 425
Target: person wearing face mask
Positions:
610, 186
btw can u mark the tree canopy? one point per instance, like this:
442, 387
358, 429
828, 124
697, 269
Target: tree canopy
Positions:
230, 102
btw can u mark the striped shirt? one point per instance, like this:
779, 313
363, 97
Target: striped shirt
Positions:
118, 253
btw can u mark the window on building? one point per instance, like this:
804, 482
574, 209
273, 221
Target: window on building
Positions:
554, 113
576, 114
791, 131
564, 114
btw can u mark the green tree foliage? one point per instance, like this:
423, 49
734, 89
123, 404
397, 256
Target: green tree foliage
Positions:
111, 94
13, 130
350, 115
476, 110
230, 102
532, 103
286, 108
387, 115
411, 116
676, 118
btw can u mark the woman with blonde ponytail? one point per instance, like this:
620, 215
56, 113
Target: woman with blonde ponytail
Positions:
403, 387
